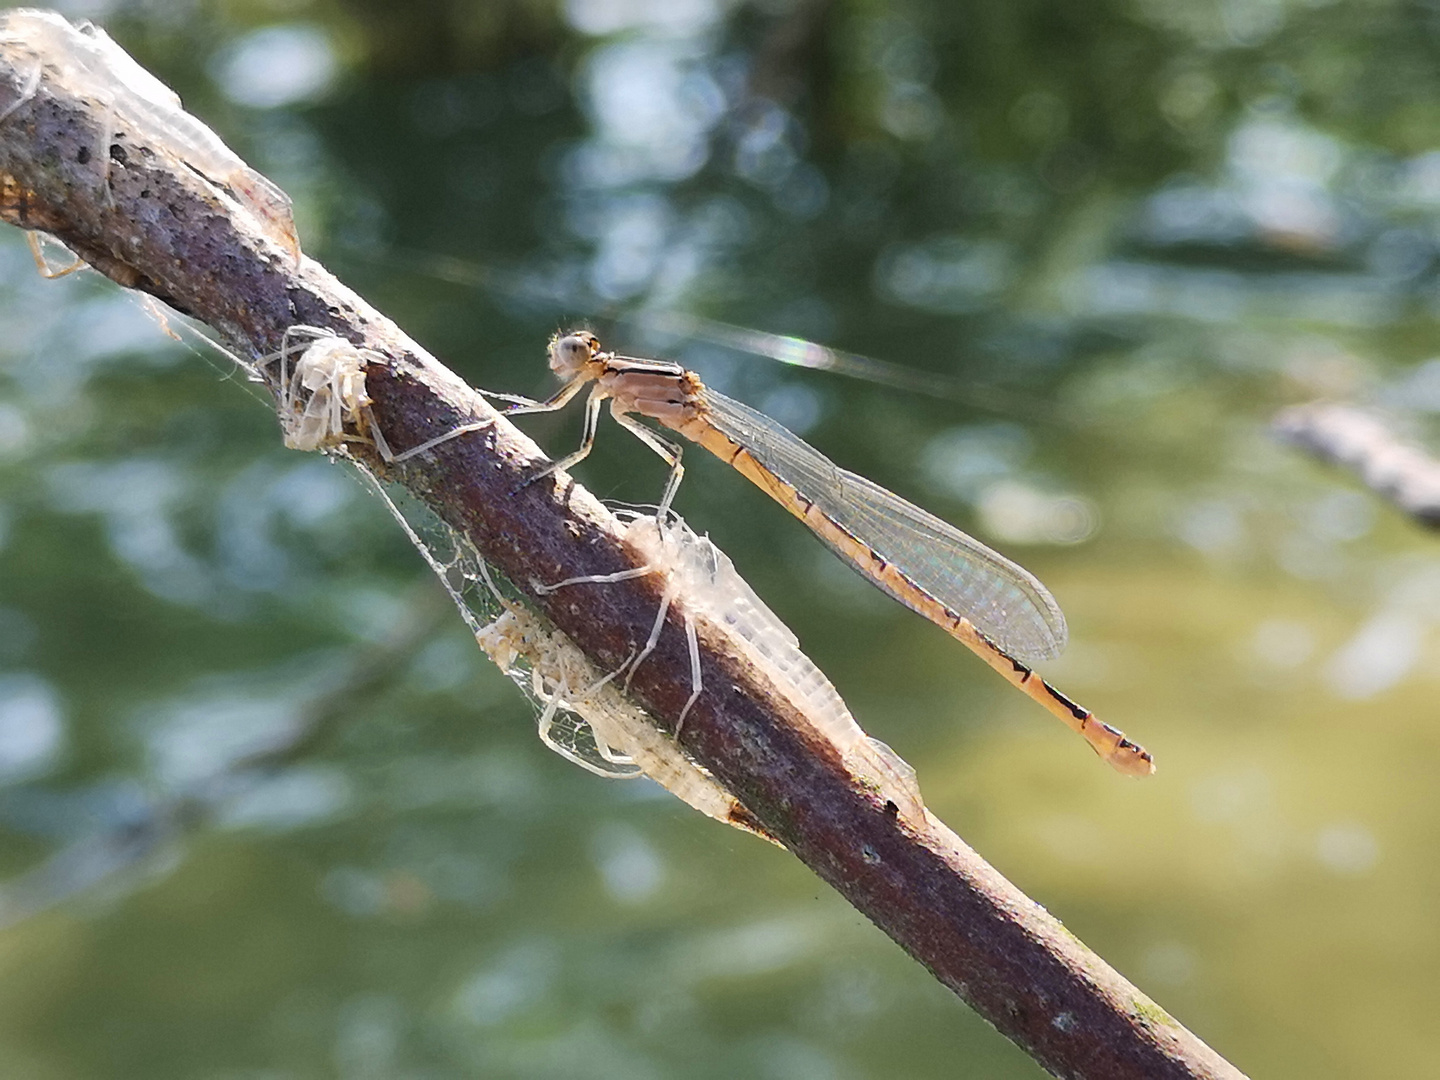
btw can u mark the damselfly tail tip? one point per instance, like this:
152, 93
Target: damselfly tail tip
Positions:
1132, 760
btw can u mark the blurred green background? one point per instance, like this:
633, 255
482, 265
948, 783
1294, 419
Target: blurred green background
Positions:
1115, 237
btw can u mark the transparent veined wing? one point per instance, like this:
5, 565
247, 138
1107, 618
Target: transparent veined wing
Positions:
1004, 601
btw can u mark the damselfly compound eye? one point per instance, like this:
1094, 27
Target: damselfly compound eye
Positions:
570, 353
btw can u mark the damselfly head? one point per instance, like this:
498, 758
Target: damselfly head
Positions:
570, 353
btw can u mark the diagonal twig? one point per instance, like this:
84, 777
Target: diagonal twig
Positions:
145, 200
1358, 440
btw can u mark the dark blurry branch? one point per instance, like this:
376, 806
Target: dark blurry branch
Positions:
1358, 440
149, 203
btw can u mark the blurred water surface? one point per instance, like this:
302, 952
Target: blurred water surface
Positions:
1113, 238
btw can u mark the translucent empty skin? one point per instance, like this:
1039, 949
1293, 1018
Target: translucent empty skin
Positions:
625, 741
322, 390
584, 715
712, 586
85, 59
706, 582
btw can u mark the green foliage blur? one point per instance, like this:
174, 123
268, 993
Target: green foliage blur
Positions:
266, 811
